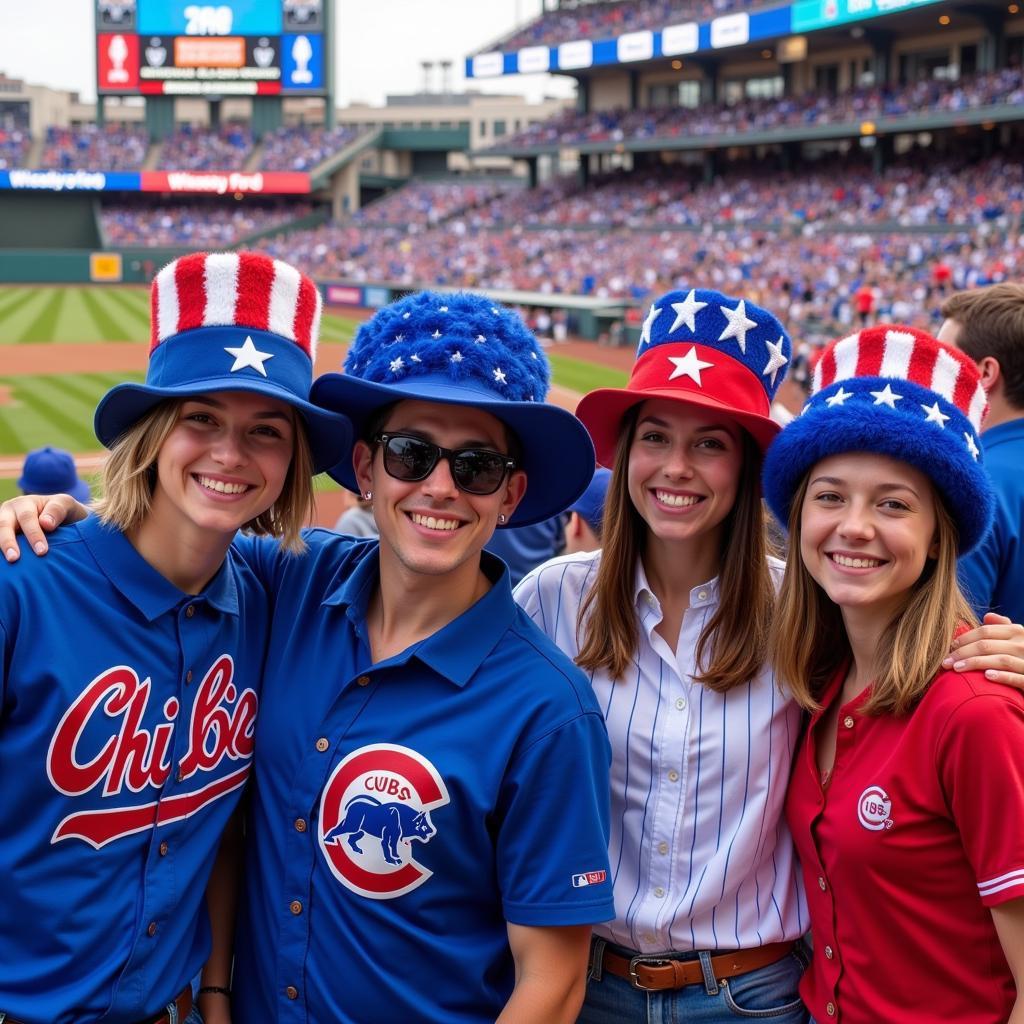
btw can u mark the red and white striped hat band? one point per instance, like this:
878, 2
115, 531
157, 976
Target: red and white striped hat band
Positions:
906, 354
230, 289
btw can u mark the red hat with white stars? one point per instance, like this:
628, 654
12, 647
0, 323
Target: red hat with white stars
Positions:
899, 392
701, 348
230, 322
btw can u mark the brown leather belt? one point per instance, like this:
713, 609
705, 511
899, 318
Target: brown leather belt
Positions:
656, 974
183, 1004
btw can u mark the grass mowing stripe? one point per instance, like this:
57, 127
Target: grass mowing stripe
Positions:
35, 393
582, 376
41, 329
10, 441
79, 392
137, 312
111, 329
11, 298
10, 313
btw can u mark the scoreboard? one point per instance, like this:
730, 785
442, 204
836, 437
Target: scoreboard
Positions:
213, 48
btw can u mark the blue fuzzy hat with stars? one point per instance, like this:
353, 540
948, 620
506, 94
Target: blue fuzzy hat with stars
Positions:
465, 349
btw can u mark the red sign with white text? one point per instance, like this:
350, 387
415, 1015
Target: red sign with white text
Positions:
222, 183
117, 61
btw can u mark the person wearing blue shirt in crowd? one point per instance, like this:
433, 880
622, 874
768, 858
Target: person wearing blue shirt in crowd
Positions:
132, 656
988, 325
421, 850
523, 548
586, 515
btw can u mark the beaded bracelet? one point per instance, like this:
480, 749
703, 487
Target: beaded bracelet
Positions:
217, 990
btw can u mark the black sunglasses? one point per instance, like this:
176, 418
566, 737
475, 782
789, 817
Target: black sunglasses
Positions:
474, 470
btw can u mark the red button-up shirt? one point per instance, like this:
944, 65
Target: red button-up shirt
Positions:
918, 832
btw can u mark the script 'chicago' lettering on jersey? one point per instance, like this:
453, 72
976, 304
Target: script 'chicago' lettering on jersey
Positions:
134, 758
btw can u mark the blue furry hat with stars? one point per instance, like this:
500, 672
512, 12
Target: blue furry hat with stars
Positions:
465, 349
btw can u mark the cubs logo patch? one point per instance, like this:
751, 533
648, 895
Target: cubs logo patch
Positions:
376, 803
874, 808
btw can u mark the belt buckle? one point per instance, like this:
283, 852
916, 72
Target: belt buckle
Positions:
646, 961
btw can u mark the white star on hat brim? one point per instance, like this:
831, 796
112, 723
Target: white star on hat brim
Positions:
776, 360
645, 332
247, 356
886, 397
689, 365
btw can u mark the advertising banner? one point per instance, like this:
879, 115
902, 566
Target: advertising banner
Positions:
812, 14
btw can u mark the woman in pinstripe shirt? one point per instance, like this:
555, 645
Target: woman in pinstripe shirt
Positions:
671, 621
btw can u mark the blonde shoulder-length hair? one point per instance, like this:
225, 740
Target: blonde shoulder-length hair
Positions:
129, 475
809, 641
733, 645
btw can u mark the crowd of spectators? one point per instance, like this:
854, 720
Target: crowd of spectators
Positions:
15, 142
429, 203
198, 148
113, 147
605, 20
970, 92
202, 225
300, 147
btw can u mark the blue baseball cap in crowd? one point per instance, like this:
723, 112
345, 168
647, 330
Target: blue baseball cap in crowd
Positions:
52, 471
590, 504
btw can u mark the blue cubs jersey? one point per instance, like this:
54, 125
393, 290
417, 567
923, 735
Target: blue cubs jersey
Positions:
127, 717
405, 811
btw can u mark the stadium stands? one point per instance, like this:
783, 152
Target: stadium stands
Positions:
813, 108
194, 148
301, 147
193, 226
91, 148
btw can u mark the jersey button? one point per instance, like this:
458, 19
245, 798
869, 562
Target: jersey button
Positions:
300, 824
295, 907
363, 680
662, 847
163, 848
681, 703
848, 722
702, 595
291, 992
830, 1009
190, 611
673, 776
821, 883
188, 676
322, 744
659, 892
151, 930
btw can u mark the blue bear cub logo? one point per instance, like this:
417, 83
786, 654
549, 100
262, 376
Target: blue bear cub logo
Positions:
390, 823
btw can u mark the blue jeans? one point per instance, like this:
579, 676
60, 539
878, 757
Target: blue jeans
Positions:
768, 994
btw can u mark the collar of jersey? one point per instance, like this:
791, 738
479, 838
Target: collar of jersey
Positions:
154, 595
458, 650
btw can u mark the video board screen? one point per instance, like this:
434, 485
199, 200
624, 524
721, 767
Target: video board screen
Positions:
229, 48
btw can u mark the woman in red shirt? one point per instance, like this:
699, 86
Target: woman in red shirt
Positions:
907, 796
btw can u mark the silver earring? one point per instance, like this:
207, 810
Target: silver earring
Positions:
501, 518
368, 495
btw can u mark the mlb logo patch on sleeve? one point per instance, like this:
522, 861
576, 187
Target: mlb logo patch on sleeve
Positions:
585, 878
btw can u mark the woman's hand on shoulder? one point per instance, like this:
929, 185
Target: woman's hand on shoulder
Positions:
996, 647
35, 515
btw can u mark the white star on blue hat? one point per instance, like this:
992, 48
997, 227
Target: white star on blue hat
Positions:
739, 324
248, 357
686, 312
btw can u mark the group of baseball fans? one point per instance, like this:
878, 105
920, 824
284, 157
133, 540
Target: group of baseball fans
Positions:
258, 773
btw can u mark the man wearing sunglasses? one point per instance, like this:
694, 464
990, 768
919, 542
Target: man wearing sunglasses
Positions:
429, 821
428, 829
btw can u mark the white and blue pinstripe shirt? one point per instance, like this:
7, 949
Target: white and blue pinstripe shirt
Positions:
700, 852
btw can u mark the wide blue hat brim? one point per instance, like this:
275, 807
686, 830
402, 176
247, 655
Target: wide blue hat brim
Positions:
558, 455
941, 454
330, 435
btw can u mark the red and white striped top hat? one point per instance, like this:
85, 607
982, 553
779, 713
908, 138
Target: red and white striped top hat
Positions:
899, 392
231, 322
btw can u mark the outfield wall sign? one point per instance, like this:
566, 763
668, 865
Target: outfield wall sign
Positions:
178, 182
811, 14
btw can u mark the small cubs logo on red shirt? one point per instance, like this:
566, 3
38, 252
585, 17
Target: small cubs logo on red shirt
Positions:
377, 802
874, 808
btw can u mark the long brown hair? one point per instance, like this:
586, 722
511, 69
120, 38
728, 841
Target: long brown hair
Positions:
734, 641
809, 641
